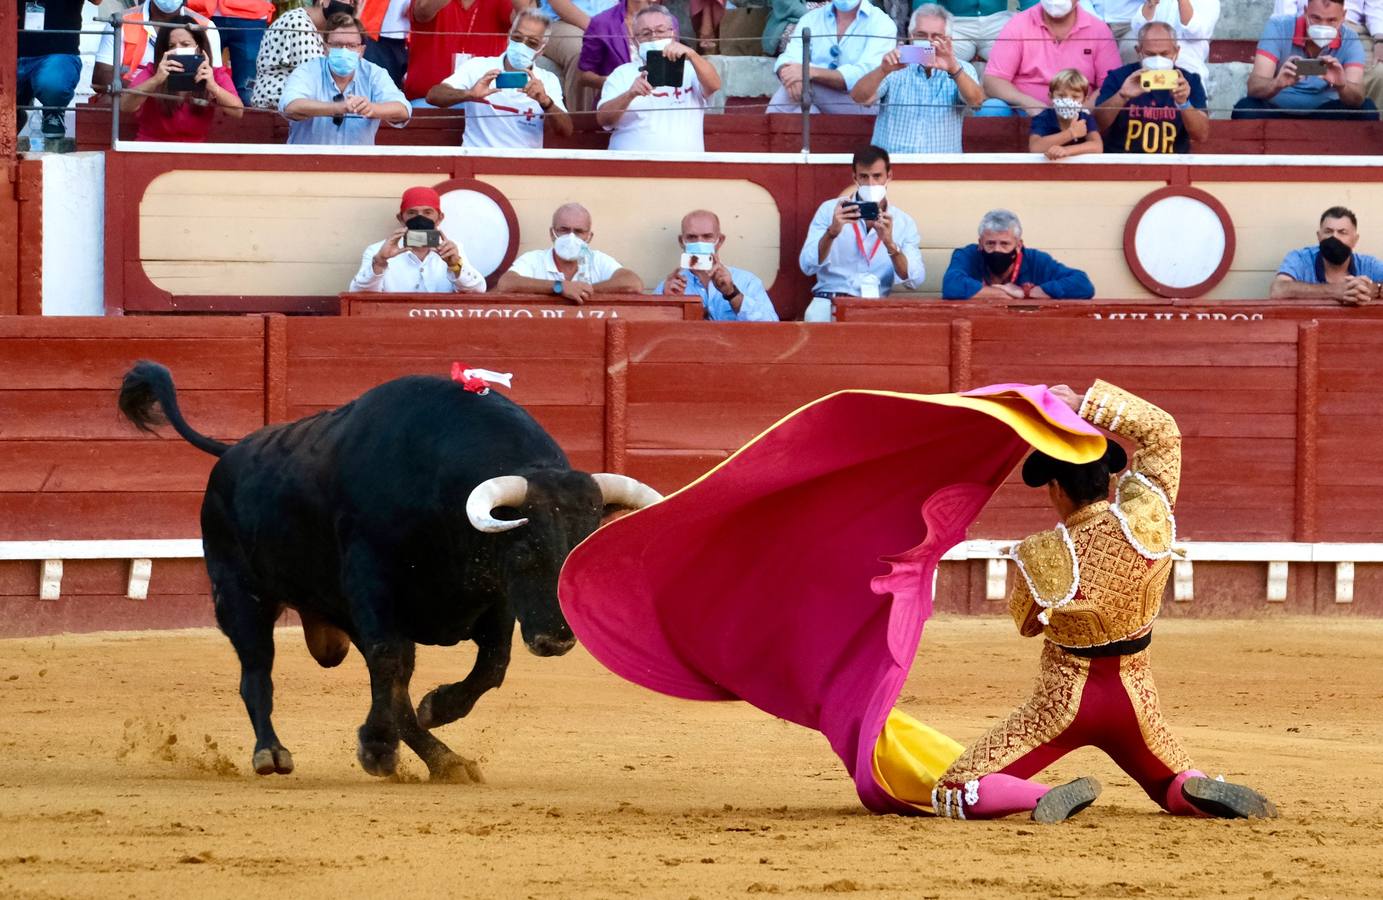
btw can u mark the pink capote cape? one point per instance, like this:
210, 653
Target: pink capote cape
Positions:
798, 573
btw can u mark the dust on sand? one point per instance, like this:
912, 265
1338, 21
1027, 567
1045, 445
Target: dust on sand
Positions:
126, 774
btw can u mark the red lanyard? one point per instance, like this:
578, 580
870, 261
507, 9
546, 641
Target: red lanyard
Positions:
859, 241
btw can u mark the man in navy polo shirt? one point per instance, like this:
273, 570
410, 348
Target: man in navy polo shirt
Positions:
1278, 90
1331, 270
1137, 120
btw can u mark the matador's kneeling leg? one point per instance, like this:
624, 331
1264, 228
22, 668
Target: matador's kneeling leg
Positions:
1191, 793
995, 796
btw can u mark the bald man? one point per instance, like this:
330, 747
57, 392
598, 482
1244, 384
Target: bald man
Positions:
728, 294
569, 268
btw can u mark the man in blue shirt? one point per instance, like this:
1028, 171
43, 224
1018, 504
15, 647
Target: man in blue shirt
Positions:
1278, 90
1331, 270
849, 37
1138, 120
728, 294
1000, 267
341, 98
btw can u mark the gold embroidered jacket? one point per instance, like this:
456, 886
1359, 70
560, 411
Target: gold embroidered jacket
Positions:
1099, 576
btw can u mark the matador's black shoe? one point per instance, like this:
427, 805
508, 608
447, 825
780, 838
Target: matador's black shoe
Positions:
1225, 800
1061, 803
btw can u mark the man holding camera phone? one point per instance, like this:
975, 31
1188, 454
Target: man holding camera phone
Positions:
1308, 67
1139, 114
644, 112
509, 100
728, 294
417, 257
859, 245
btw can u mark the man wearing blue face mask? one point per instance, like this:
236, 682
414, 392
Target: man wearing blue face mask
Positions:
570, 268
138, 29
849, 38
341, 98
728, 294
512, 116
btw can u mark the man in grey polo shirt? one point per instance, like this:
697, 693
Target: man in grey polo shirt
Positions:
1331, 270
1278, 90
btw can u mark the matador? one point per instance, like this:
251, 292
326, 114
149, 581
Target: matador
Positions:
1092, 587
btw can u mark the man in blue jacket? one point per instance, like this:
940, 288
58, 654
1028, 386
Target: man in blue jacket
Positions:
1000, 267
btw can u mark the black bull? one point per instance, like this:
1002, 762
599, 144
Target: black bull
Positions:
419, 513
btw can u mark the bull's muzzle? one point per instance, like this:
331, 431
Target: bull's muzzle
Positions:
546, 645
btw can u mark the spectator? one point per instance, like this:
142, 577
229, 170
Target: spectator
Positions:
663, 119
853, 266
1331, 270
188, 118
1066, 129
572, 20
728, 294
241, 24
293, 39
443, 28
1000, 267
1277, 90
978, 23
138, 28
386, 35
1037, 44
609, 43
393, 266
508, 117
1192, 23
342, 98
849, 38
1137, 120
921, 107
569, 268
1365, 19
49, 65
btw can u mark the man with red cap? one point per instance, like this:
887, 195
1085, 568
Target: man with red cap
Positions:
417, 257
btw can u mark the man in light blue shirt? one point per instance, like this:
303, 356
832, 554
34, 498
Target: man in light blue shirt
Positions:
341, 98
849, 38
922, 106
728, 294
860, 245
1331, 270
1317, 38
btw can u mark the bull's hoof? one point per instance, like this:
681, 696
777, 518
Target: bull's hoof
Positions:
380, 760
453, 769
271, 761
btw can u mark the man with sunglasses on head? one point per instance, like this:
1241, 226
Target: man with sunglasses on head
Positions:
849, 38
342, 97
510, 116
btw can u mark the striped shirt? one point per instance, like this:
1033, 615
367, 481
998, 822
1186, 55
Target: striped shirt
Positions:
920, 113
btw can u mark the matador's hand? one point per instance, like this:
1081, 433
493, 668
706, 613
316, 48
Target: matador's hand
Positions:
1064, 393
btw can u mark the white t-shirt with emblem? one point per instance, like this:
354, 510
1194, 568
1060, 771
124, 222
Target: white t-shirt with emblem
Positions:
670, 120
508, 117
592, 267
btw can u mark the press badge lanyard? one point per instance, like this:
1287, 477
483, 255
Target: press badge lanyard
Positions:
859, 242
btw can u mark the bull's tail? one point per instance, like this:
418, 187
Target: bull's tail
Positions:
148, 399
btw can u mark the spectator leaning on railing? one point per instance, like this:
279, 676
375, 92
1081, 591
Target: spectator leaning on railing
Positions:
509, 116
1192, 23
1365, 19
342, 98
417, 257
570, 268
663, 119
443, 28
727, 294
1067, 129
921, 105
49, 66
1278, 89
1001, 267
139, 26
977, 25
849, 38
1136, 119
1331, 270
1037, 44
185, 110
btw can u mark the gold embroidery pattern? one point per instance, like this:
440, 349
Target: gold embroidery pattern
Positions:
1047, 713
1049, 566
1120, 593
1149, 519
1136, 674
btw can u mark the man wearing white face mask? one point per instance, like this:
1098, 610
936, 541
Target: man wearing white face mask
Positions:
138, 29
1136, 119
513, 116
665, 119
569, 268
1278, 90
1365, 19
1037, 44
849, 39
727, 293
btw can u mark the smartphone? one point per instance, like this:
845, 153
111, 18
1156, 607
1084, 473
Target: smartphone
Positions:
697, 262
664, 72
511, 80
422, 237
1308, 67
186, 80
869, 210
919, 54
1158, 79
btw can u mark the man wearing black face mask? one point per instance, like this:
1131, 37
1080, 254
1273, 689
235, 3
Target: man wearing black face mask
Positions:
1001, 267
391, 265
1331, 270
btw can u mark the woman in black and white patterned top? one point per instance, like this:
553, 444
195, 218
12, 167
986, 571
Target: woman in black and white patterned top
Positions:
293, 39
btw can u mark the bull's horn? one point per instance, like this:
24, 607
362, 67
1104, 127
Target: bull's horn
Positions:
506, 490
621, 490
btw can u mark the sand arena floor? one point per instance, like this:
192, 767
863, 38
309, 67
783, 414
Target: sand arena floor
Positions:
126, 774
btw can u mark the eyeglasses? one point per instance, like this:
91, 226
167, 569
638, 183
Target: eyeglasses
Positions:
650, 34
336, 45
338, 118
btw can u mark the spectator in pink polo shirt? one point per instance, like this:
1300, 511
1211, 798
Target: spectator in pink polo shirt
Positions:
1038, 43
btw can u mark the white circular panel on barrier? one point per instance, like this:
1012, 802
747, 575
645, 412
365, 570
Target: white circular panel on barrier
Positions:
477, 225
1180, 241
